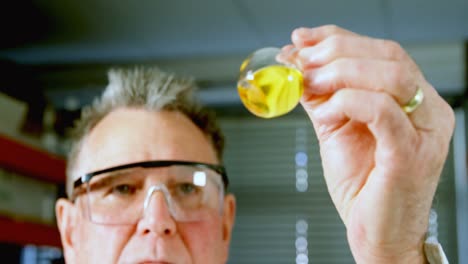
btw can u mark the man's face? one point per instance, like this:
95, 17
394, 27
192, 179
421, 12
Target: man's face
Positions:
132, 135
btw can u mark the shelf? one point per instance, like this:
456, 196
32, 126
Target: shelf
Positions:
30, 161
35, 163
23, 233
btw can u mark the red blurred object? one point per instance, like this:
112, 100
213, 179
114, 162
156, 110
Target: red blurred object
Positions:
23, 233
35, 163
29, 161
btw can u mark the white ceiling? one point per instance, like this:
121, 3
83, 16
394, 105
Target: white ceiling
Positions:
184, 33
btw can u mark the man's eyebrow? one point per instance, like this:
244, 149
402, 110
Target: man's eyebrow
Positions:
109, 177
117, 172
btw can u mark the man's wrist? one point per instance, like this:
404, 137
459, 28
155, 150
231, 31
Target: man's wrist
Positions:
414, 257
427, 250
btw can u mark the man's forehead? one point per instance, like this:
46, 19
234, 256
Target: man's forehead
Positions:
134, 135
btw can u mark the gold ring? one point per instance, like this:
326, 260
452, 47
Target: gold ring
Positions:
414, 102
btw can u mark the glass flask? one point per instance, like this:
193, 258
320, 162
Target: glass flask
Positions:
267, 87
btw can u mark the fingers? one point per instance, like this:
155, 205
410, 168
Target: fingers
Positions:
332, 58
347, 46
382, 115
303, 37
391, 77
322, 44
399, 81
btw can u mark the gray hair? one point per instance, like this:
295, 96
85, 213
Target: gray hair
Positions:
149, 88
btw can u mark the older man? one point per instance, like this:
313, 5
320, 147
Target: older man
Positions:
145, 179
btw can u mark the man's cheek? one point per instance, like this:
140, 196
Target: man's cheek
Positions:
202, 238
101, 242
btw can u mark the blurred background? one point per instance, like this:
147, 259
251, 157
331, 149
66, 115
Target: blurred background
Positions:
54, 56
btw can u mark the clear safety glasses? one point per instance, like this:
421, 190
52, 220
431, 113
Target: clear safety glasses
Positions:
121, 195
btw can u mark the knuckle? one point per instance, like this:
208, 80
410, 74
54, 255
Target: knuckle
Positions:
384, 102
341, 95
332, 29
381, 103
402, 82
335, 72
393, 49
344, 63
338, 72
334, 68
335, 43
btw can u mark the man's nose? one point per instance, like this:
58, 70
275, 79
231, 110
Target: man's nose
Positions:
157, 217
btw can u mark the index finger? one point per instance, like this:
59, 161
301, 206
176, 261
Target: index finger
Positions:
303, 37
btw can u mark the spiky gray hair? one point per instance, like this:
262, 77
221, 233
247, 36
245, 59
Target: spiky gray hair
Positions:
144, 87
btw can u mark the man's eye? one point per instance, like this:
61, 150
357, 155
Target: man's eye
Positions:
124, 189
187, 188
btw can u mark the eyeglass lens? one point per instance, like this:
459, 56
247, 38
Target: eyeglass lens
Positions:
191, 193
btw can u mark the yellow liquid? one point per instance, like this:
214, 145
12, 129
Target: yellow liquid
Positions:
271, 91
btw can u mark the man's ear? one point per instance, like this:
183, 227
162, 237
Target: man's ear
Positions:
229, 216
66, 214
